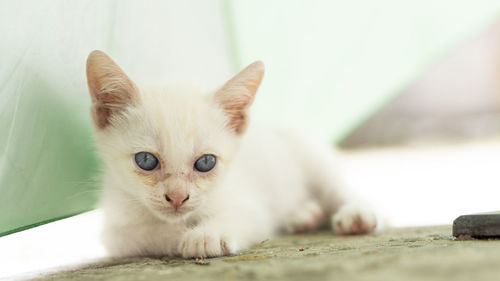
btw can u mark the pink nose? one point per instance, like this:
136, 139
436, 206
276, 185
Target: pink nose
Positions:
177, 199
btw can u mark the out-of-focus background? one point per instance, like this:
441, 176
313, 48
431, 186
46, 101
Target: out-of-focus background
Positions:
409, 90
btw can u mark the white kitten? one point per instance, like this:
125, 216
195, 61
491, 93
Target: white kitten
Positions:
184, 176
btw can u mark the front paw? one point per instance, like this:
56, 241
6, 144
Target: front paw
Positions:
305, 218
354, 219
202, 243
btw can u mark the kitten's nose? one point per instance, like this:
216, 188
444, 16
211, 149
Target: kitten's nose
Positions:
177, 199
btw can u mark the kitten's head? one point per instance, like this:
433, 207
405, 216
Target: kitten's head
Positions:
167, 148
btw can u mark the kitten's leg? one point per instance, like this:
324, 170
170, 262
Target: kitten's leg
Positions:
224, 233
348, 214
305, 218
353, 218
203, 242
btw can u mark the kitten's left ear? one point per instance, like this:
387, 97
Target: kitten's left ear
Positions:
237, 95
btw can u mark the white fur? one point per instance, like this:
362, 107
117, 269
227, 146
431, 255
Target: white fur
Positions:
262, 179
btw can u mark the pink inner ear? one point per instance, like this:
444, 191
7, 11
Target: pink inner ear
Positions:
101, 116
110, 88
236, 107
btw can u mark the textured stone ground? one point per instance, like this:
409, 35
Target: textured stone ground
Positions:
398, 254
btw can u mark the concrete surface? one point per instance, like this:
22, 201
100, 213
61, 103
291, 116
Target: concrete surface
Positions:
428, 253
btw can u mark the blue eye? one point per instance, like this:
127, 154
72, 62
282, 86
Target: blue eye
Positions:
146, 161
205, 163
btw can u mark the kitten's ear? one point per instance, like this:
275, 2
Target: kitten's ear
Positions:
237, 95
110, 88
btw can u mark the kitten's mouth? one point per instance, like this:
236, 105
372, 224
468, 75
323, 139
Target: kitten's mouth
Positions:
176, 212
166, 213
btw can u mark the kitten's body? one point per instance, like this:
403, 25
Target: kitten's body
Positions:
266, 180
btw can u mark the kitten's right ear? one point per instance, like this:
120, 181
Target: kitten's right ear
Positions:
110, 88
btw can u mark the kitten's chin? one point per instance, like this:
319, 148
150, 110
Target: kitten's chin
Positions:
171, 216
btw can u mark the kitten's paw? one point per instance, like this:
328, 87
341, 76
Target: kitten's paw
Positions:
198, 243
354, 219
306, 218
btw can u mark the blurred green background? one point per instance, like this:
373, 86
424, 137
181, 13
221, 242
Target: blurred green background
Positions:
329, 66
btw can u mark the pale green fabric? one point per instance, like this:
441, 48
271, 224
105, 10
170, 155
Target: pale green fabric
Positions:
47, 162
48, 167
332, 63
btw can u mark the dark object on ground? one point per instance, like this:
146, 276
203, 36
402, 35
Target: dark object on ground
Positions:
477, 226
